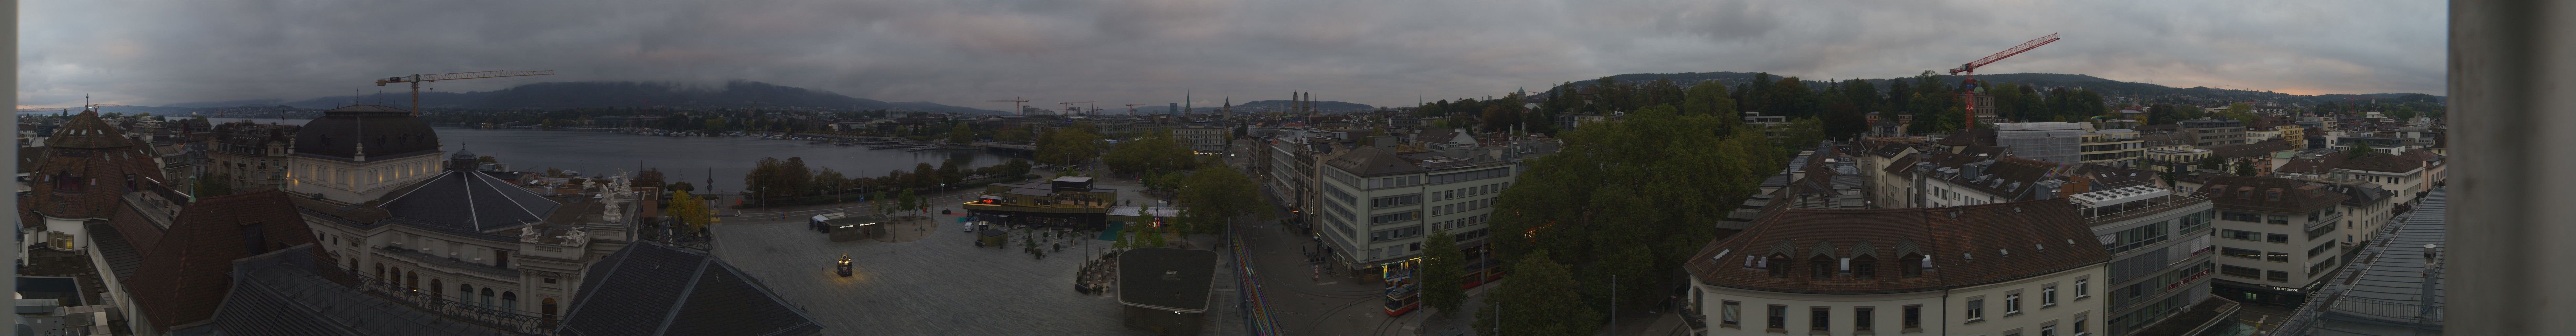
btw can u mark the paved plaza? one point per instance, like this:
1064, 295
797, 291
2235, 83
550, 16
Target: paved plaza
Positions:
941, 283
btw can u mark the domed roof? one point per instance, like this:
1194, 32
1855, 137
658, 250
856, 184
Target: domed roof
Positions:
462, 154
387, 132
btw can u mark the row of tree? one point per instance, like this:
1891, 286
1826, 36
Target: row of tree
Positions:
772, 178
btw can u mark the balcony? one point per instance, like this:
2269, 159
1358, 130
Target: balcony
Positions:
450, 307
448, 262
2132, 210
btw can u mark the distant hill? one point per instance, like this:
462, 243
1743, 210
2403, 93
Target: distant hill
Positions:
2113, 88
551, 95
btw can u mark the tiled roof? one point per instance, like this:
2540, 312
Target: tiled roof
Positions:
86, 130
29, 156
650, 289
1969, 245
2263, 148
2382, 162
2250, 193
2319, 165
97, 155
186, 275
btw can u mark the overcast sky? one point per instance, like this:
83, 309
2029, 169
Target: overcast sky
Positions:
1376, 53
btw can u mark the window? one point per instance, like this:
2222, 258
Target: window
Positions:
2276, 276
1823, 267
1820, 319
1778, 264
2241, 217
2048, 296
510, 300
2048, 330
2277, 219
1913, 317
1779, 317
2276, 256
2012, 304
1976, 310
1861, 317
2079, 324
2240, 271
1911, 265
2240, 253
2240, 235
2277, 238
2081, 287
1864, 267
1727, 315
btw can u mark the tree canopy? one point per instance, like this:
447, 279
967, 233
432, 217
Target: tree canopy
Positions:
1536, 302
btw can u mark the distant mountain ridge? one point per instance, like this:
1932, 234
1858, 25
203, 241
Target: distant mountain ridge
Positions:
551, 95
2106, 86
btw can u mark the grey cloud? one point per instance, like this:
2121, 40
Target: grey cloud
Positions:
962, 53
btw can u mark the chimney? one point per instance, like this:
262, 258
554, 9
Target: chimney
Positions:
2432, 275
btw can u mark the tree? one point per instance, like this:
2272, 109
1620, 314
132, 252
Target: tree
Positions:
1068, 145
690, 210
2213, 162
1538, 301
948, 173
910, 202
1216, 194
486, 159
831, 181
1442, 266
2359, 149
682, 186
214, 186
962, 135
2245, 168
648, 178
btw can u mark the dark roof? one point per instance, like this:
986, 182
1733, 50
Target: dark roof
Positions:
66, 289
2382, 162
2250, 193
1969, 245
1985, 151
469, 201
387, 132
1166, 278
2263, 148
2319, 165
284, 293
86, 130
2382, 290
1902, 164
28, 157
186, 274
650, 289
110, 244
2115, 177
1367, 161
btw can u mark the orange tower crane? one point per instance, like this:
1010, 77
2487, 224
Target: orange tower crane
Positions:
1131, 109
1970, 83
416, 79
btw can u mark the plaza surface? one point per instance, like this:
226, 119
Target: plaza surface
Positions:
941, 283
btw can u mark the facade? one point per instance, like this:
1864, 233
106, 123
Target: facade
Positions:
1068, 201
1377, 206
2393, 286
2114, 147
2278, 238
249, 156
2160, 252
2207, 133
332, 155
1205, 138
2030, 270
2056, 142
2174, 160
2399, 173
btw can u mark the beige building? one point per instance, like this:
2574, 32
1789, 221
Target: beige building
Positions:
2114, 147
2278, 238
2032, 269
248, 156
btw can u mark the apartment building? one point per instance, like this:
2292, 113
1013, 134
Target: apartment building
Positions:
2160, 251
2278, 238
250, 156
2207, 133
2113, 147
2030, 270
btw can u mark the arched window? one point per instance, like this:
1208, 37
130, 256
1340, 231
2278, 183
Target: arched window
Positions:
1824, 267
1911, 265
510, 300
548, 308
353, 265
380, 271
437, 290
1864, 267
465, 293
411, 281
1779, 265
487, 297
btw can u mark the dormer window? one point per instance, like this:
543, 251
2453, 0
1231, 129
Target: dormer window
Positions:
1778, 264
1823, 267
1913, 265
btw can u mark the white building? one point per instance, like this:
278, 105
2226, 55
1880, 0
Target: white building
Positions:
2277, 237
2027, 268
1377, 206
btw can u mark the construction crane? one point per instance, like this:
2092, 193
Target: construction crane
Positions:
416, 79
1018, 106
1069, 105
1131, 109
1970, 86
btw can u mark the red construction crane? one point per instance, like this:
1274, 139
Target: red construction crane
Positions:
1970, 86
415, 80
1131, 109
1017, 104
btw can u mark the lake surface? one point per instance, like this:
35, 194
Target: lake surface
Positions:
681, 159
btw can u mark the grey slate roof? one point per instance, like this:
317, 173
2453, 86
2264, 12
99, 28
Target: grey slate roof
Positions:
650, 289
470, 201
1166, 278
1368, 161
281, 293
119, 253
2382, 293
388, 132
